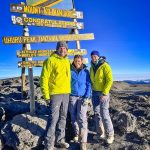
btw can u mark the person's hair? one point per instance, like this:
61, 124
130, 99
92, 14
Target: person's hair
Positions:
78, 56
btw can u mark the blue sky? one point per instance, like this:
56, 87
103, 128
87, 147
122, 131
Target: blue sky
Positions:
121, 29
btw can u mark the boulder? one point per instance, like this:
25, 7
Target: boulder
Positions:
124, 121
24, 131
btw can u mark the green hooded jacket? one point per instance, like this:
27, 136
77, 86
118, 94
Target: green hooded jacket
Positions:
55, 77
102, 78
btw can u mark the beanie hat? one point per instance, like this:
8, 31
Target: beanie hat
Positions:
95, 53
61, 44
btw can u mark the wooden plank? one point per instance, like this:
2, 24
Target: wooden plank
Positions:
47, 3
48, 38
41, 53
39, 63
45, 11
46, 23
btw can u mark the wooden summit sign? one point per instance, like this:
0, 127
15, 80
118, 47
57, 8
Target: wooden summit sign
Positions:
42, 39
40, 53
46, 22
39, 63
47, 3
45, 11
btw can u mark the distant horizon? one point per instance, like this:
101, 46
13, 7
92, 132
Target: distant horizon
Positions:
116, 77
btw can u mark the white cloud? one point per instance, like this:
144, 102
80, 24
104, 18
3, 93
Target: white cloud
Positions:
121, 77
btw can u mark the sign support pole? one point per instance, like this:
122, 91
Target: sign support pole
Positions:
23, 76
30, 72
76, 30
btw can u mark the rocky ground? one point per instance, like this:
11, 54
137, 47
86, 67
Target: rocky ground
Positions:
129, 108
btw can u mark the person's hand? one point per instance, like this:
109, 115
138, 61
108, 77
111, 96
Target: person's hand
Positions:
103, 98
47, 102
85, 101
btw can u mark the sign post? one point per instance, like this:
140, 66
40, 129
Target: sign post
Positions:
76, 30
23, 76
30, 71
30, 75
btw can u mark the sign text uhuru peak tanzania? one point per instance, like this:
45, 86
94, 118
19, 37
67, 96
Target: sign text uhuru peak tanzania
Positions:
46, 11
53, 38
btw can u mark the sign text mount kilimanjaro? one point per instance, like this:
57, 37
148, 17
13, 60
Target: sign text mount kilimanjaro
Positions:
45, 11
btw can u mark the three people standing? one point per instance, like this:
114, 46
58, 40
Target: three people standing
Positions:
58, 81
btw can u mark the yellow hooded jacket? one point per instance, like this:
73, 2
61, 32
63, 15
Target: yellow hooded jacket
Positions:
55, 76
103, 79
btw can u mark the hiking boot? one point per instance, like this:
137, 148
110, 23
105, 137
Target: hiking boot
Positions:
102, 131
110, 139
83, 146
63, 144
76, 138
97, 137
102, 136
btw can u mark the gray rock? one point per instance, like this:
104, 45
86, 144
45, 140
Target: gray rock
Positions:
143, 98
124, 121
139, 133
1, 82
37, 83
38, 94
2, 114
24, 131
15, 107
148, 116
139, 147
6, 82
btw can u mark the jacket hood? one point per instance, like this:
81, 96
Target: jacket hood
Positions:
101, 60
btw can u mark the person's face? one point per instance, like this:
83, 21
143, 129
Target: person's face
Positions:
78, 62
62, 51
94, 58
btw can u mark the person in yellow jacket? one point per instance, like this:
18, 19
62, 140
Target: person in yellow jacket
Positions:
102, 80
55, 85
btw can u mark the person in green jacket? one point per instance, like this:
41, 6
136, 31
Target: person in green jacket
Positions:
102, 80
55, 84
